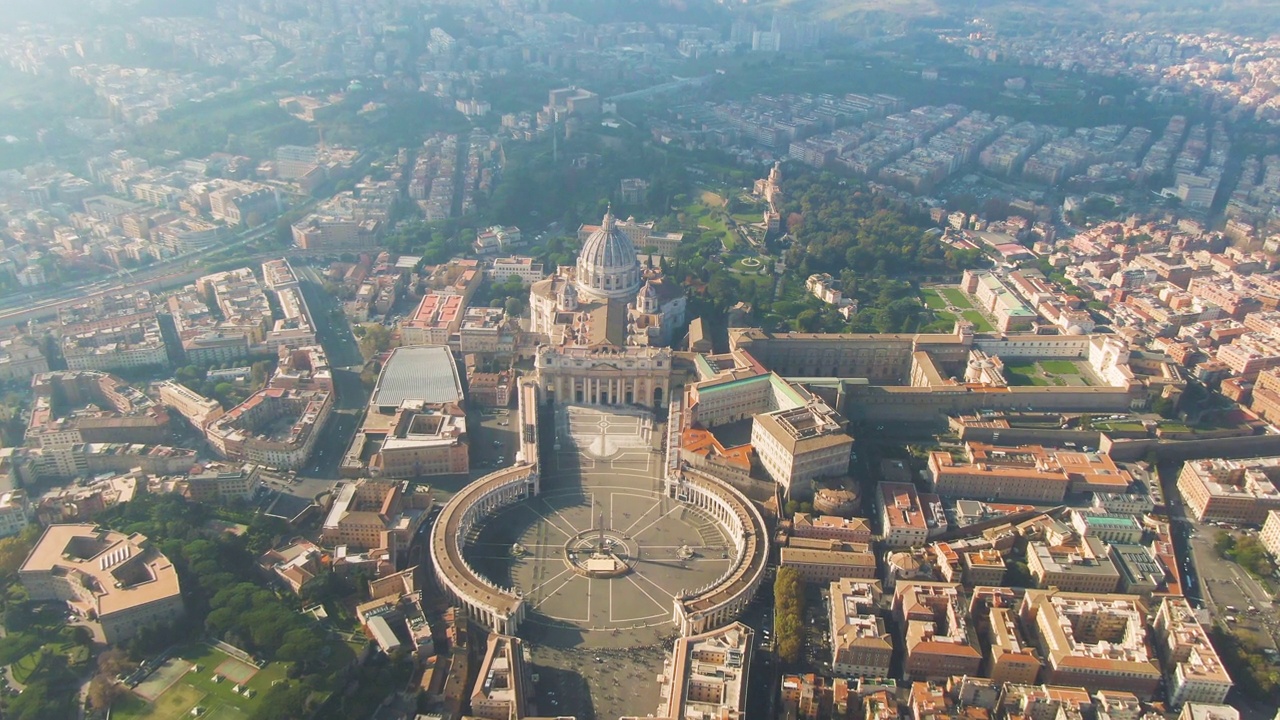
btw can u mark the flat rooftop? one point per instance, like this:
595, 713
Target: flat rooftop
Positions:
121, 571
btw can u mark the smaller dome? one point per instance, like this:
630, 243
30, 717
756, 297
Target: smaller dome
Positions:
647, 291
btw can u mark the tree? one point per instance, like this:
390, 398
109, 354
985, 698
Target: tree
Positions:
285, 701
376, 340
114, 662
14, 550
1165, 407
104, 691
1224, 544
39, 701
809, 321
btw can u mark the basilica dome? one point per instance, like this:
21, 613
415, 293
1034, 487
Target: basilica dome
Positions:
607, 265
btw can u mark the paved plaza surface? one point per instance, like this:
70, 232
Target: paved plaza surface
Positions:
598, 643
605, 476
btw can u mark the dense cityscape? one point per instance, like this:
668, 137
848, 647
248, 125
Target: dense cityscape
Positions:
678, 359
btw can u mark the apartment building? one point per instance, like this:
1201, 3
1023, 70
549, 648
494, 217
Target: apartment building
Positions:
1250, 354
72, 408
1270, 535
1094, 640
1234, 491
829, 527
902, 519
860, 645
223, 482
937, 639
706, 675
822, 561
1043, 702
1193, 671
279, 425
15, 512
1010, 658
196, 408
373, 514
112, 332
1082, 567
1266, 395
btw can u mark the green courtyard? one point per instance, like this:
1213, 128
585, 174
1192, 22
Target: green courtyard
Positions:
1045, 373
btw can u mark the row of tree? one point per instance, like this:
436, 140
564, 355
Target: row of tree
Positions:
788, 614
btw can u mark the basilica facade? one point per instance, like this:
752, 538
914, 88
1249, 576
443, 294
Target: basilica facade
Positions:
607, 323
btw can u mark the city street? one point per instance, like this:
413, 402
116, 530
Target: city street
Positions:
335, 335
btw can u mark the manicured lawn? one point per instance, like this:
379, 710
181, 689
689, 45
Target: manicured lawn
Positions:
1060, 367
52, 657
942, 322
956, 297
175, 703
27, 665
932, 299
765, 280
980, 322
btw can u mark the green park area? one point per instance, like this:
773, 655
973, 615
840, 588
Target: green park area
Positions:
707, 213
200, 675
